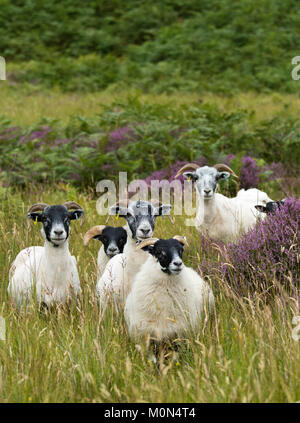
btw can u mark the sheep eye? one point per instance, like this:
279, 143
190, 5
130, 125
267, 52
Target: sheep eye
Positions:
66, 220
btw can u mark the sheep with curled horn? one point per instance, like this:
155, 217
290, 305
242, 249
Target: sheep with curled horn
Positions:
218, 216
49, 271
117, 277
167, 298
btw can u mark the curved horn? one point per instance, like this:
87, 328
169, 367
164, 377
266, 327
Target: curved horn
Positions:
95, 230
36, 207
188, 166
181, 239
150, 241
224, 167
72, 205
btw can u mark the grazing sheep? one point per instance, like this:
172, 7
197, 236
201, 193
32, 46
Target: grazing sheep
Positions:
167, 298
120, 270
222, 218
113, 240
50, 270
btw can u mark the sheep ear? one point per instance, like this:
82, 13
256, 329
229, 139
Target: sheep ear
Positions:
164, 210
149, 249
223, 175
36, 217
119, 210
76, 214
191, 175
262, 209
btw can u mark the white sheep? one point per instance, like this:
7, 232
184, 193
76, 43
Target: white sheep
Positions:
167, 299
218, 216
49, 271
121, 269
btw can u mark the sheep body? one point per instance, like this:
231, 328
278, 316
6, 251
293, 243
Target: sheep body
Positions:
119, 272
52, 272
254, 195
165, 306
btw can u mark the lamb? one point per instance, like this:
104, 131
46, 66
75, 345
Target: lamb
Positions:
113, 240
49, 271
120, 270
167, 299
222, 218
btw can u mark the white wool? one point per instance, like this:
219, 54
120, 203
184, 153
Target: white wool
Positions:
225, 218
49, 271
166, 306
254, 195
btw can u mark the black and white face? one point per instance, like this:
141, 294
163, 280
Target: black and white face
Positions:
168, 253
56, 223
271, 207
141, 216
206, 180
113, 240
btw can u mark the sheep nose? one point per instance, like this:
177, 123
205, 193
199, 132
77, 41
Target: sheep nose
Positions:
58, 233
145, 231
177, 263
112, 249
207, 191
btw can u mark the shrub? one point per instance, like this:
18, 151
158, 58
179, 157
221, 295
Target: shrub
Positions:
265, 258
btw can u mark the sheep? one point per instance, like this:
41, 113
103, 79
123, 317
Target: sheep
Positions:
254, 195
113, 240
120, 270
222, 218
167, 298
49, 271
271, 207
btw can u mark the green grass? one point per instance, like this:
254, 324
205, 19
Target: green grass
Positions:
246, 353
25, 106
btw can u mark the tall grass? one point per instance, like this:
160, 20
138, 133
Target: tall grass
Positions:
26, 106
246, 353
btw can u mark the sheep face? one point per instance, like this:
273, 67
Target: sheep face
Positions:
271, 207
168, 253
56, 222
113, 240
140, 216
206, 180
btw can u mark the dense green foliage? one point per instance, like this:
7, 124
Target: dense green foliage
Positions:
141, 138
162, 45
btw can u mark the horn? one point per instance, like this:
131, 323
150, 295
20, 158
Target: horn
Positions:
181, 239
221, 166
36, 207
72, 205
95, 230
188, 166
150, 241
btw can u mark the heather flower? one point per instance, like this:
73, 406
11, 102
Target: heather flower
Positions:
267, 251
119, 138
249, 174
169, 172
